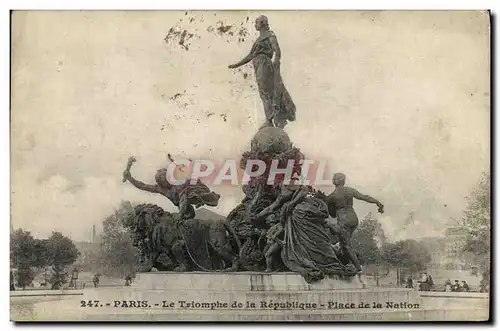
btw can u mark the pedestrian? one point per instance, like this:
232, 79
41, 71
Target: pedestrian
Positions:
430, 282
456, 286
409, 282
96, 280
128, 280
424, 286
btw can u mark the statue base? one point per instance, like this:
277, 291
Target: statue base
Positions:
245, 296
239, 281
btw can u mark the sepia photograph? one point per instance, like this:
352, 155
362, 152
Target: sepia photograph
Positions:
250, 166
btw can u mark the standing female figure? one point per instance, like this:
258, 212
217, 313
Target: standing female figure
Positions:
278, 105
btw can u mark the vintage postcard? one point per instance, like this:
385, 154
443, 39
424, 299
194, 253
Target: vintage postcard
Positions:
250, 166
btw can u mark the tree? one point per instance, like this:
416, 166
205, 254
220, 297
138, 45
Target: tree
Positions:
24, 256
476, 222
407, 254
42, 260
434, 244
61, 252
118, 256
30, 255
366, 241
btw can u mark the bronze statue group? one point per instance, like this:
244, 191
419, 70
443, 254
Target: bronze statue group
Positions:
278, 227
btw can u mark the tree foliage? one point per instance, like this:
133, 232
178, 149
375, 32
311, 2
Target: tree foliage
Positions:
22, 247
407, 254
24, 255
29, 255
476, 222
118, 256
368, 239
62, 252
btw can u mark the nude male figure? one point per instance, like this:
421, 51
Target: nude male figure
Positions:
340, 205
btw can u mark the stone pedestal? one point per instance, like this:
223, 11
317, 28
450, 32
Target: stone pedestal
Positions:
246, 296
239, 281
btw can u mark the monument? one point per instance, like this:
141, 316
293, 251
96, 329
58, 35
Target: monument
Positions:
283, 252
274, 245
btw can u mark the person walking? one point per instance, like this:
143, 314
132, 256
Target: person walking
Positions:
409, 282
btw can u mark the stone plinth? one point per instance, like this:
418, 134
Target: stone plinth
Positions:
239, 281
169, 296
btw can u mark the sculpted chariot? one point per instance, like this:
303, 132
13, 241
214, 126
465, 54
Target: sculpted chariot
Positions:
180, 242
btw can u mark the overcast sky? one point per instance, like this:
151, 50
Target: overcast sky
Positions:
398, 101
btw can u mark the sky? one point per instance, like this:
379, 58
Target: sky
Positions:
398, 101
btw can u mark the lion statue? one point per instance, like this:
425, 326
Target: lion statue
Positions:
166, 243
